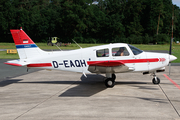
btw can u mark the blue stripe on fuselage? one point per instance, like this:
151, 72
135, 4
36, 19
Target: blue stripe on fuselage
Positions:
26, 46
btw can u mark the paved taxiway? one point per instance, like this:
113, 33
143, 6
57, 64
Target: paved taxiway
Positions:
45, 95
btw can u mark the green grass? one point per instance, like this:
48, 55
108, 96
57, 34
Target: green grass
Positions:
4, 55
176, 52
152, 47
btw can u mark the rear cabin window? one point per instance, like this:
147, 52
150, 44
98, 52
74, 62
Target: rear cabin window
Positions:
120, 51
102, 53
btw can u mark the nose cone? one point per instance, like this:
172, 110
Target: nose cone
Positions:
172, 57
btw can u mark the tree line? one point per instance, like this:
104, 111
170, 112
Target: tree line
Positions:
109, 21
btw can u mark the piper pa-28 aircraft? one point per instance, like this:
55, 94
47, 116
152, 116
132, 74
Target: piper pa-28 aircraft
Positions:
105, 59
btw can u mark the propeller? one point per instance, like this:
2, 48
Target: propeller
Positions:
170, 56
171, 42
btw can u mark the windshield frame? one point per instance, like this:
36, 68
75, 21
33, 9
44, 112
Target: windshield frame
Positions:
135, 50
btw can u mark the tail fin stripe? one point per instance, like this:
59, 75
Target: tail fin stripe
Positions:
26, 46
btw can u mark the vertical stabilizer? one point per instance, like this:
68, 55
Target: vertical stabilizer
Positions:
25, 46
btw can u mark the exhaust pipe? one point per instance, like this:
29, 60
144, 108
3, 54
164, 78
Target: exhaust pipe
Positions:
160, 70
144, 73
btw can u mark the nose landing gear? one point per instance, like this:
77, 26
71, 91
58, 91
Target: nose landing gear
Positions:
155, 79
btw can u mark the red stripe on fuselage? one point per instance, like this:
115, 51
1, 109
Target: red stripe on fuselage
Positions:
40, 65
146, 60
126, 61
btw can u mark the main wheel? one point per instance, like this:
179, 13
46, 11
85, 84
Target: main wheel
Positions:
156, 80
109, 82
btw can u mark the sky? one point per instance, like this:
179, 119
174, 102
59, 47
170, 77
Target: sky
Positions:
177, 2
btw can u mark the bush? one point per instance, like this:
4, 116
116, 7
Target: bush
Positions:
78, 39
133, 39
124, 40
147, 39
161, 39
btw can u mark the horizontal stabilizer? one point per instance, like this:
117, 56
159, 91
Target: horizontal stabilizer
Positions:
16, 63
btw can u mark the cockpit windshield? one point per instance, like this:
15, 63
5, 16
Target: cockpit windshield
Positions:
135, 50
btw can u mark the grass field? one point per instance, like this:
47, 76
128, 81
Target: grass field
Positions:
4, 55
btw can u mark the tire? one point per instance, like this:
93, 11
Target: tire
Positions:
156, 81
113, 76
109, 83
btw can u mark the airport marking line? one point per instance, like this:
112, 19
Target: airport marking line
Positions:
172, 81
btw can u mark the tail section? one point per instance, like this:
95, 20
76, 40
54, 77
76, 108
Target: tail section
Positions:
25, 46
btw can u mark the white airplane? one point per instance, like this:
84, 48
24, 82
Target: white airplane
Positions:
105, 59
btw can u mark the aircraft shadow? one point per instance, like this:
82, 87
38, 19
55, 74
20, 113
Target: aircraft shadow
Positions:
87, 87
8, 82
84, 88
139, 85
155, 100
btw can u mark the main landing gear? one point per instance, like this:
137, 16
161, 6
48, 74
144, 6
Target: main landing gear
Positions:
155, 79
110, 80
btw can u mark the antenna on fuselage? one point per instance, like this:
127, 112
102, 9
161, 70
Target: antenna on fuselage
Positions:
58, 47
77, 44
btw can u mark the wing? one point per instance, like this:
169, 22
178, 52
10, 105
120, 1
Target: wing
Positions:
110, 66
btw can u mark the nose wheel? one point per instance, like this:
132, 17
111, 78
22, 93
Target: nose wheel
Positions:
110, 82
155, 79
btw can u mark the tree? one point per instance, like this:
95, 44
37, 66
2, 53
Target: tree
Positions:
133, 15
131, 21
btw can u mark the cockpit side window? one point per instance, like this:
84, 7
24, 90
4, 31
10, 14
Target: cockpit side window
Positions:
102, 53
120, 51
135, 50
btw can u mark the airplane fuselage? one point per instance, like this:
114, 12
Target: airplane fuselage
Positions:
78, 60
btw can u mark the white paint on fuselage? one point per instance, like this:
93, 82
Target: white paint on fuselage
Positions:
74, 60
